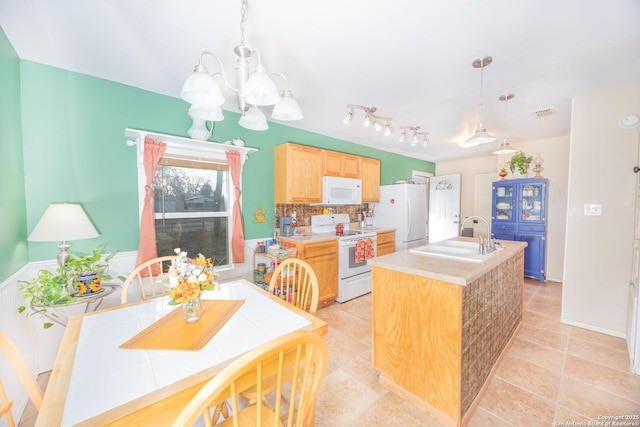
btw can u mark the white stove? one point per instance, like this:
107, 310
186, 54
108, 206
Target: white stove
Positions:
354, 248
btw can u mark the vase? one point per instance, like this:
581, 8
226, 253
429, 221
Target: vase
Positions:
192, 310
518, 175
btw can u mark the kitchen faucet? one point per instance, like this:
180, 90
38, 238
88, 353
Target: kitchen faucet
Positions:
483, 248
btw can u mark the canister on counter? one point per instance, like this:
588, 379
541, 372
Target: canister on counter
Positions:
261, 267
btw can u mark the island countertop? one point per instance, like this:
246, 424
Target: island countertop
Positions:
447, 270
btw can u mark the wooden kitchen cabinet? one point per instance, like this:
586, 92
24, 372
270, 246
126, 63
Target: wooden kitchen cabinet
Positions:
323, 258
297, 174
386, 243
340, 164
370, 173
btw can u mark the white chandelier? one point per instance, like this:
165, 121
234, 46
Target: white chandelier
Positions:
254, 89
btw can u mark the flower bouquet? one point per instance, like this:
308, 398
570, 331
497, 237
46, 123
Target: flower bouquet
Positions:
186, 279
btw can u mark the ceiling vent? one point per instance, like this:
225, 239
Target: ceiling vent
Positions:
545, 112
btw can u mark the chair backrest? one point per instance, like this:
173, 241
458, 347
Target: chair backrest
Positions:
295, 282
146, 274
22, 371
299, 358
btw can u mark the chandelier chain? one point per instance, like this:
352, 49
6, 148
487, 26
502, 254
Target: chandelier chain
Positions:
243, 20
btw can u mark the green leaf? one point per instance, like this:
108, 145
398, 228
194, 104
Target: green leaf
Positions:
47, 325
21, 309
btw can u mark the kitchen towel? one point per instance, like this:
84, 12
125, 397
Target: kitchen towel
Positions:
171, 332
364, 250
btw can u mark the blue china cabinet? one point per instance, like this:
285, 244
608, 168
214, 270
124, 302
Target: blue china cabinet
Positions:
519, 212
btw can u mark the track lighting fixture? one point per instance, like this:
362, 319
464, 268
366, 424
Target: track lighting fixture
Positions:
415, 135
370, 118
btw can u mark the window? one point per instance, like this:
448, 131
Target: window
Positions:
192, 208
193, 197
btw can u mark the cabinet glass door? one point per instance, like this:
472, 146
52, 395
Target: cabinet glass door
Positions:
532, 197
503, 200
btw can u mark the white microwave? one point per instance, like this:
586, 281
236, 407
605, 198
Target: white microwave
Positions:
341, 191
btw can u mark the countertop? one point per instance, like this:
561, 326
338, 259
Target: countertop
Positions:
314, 238
447, 270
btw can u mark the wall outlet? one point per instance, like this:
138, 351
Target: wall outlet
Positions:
593, 209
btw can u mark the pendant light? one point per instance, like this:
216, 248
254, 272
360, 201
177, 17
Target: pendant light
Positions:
504, 147
480, 136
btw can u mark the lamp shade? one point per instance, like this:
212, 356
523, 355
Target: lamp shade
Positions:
254, 119
201, 89
287, 109
62, 222
260, 89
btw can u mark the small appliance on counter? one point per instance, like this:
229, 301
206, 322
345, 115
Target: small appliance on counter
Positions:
286, 229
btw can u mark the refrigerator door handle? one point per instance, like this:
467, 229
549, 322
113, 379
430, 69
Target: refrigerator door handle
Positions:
408, 217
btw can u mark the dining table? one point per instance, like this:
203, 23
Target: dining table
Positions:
98, 380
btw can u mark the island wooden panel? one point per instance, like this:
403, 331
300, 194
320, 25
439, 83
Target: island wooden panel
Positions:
417, 336
438, 343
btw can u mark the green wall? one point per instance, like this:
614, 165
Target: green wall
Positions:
75, 150
13, 224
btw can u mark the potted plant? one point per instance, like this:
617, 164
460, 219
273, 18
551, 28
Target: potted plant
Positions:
81, 275
520, 162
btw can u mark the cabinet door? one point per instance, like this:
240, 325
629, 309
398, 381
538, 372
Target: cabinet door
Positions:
340, 164
297, 174
323, 258
503, 234
534, 255
370, 169
532, 201
503, 199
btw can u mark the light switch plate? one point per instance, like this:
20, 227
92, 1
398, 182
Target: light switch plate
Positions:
593, 209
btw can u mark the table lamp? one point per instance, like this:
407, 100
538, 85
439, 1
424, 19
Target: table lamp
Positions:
62, 222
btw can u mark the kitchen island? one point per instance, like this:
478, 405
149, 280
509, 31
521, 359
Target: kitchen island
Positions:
440, 326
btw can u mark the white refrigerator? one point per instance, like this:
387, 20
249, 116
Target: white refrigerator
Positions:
405, 208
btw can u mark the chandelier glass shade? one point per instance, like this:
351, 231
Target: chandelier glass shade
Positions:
480, 136
254, 119
254, 88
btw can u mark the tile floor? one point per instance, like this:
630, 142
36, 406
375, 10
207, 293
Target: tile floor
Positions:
552, 373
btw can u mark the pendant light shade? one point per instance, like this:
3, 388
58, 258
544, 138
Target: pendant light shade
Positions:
504, 147
254, 119
480, 136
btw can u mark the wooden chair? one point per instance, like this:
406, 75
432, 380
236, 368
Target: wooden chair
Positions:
154, 286
299, 357
19, 366
295, 282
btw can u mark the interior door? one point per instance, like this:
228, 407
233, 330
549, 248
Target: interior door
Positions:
444, 207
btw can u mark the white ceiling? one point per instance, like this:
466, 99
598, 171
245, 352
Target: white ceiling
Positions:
411, 59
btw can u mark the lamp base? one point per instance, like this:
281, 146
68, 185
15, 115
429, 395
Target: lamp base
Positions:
63, 255
537, 169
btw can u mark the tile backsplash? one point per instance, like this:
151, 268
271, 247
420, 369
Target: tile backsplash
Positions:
305, 211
